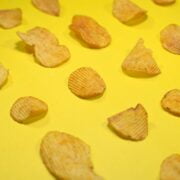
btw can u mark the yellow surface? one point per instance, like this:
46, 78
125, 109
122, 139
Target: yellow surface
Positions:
113, 157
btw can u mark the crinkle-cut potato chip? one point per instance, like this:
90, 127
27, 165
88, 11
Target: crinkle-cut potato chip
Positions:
127, 12
170, 38
86, 83
3, 75
10, 18
67, 157
170, 168
140, 61
130, 124
164, 2
88, 30
171, 102
51, 7
26, 108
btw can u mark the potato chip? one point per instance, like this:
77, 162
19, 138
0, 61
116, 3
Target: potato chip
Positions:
140, 61
171, 102
130, 124
26, 108
10, 18
127, 12
164, 2
170, 168
3, 75
170, 38
51, 7
67, 157
86, 83
88, 30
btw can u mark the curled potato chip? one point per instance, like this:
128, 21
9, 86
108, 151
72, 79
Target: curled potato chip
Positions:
51, 7
170, 168
26, 108
140, 61
170, 38
86, 83
88, 30
10, 18
130, 124
67, 157
164, 2
128, 12
3, 75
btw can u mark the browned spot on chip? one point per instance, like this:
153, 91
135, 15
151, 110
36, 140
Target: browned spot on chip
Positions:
86, 83
164, 2
131, 123
10, 18
67, 157
170, 38
3, 75
170, 168
88, 30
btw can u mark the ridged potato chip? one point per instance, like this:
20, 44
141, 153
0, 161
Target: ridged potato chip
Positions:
170, 38
67, 157
88, 30
86, 83
140, 61
26, 108
164, 2
10, 18
3, 75
130, 124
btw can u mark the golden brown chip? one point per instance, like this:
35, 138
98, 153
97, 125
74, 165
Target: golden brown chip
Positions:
140, 61
67, 157
10, 18
26, 108
170, 168
170, 38
171, 102
131, 123
51, 7
164, 2
128, 12
3, 75
86, 83
88, 30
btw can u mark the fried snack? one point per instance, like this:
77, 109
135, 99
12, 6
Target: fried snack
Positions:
51, 7
3, 75
130, 124
170, 38
86, 83
26, 108
171, 102
67, 157
164, 2
88, 30
10, 18
140, 61
170, 168
127, 12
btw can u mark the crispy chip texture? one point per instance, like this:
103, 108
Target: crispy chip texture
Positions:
86, 83
27, 107
3, 75
128, 12
51, 7
171, 102
170, 168
130, 124
10, 18
170, 38
140, 61
67, 157
164, 2
88, 30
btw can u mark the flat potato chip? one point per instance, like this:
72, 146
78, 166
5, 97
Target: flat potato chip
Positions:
51, 7
170, 38
67, 157
26, 108
170, 168
140, 61
127, 12
164, 2
171, 102
130, 124
3, 75
88, 30
10, 18
86, 83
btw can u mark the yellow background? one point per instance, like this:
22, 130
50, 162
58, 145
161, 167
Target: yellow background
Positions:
113, 157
